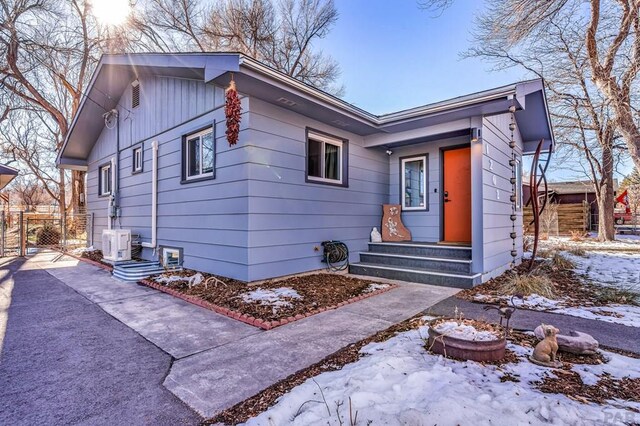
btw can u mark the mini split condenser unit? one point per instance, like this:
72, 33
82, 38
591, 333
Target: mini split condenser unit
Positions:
116, 244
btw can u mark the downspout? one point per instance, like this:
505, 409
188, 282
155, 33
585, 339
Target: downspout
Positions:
154, 197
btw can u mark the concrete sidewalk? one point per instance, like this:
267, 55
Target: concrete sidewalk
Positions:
63, 360
220, 361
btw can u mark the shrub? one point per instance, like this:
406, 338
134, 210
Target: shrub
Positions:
561, 262
528, 284
624, 296
576, 251
48, 235
577, 235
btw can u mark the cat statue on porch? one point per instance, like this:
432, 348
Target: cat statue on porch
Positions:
545, 351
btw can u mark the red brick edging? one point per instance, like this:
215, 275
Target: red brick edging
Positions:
89, 261
256, 322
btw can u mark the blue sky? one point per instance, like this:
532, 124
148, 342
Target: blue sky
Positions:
395, 55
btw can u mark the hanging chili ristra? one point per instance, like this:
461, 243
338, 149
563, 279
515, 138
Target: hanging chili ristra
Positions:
232, 110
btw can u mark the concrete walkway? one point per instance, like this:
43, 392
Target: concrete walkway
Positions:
608, 334
63, 360
219, 361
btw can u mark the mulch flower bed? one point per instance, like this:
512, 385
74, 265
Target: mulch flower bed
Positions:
567, 285
271, 303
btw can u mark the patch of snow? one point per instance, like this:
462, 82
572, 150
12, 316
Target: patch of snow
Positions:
622, 242
169, 279
375, 287
276, 297
398, 383
465, 332
628, 315
78, 251
610, 269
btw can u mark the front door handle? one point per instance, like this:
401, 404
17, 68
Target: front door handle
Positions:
446, 195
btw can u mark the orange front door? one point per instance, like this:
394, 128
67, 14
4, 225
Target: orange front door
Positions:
457, 195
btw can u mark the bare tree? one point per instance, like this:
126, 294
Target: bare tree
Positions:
279, 34
548, 40
29, 192
48, 49
610, 31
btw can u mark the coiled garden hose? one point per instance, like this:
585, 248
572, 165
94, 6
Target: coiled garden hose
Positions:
336, 255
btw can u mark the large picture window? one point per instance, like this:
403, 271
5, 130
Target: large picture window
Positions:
325, 159
414, 183
104, 178
199, 155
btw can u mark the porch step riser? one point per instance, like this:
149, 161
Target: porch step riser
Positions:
410, 262
423, 278
422, 251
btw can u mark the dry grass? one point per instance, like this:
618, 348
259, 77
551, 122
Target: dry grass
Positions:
622, 296
527, 284
577, 235
561, 262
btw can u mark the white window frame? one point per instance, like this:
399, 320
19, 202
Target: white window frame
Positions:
403, 193
518, 184
137, 159
331, 141
174, 251
187, 157
105, 181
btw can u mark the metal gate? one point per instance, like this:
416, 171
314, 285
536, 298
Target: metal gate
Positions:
23, 233
43, 233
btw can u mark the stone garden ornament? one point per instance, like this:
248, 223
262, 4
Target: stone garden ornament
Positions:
545, 351
375, 235
574, 342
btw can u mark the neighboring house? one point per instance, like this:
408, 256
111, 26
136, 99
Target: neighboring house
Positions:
308, 168
573, 193
7, 174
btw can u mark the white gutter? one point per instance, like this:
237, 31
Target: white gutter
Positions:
154, 197
112, 198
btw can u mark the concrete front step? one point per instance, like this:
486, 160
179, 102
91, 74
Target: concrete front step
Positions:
422, 250
416, 275
408, 261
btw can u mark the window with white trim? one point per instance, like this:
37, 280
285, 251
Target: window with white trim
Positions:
518, 185
105, 179
324, 159
414, 183
199, 154
171, 257
137, 159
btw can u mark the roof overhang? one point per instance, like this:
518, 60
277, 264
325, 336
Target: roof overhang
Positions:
257, 80
7, 174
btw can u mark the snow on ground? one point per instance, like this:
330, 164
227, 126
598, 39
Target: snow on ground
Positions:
619, 314
622, 242
78, 251
375, 287
609, 269
465, 332
399, 383
276, 297
168, 279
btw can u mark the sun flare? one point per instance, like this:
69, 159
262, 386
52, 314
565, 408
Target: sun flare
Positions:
111, 12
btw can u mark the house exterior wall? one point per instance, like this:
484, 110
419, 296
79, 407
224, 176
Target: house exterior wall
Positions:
424, 225
207, 219
288, 217
497, 189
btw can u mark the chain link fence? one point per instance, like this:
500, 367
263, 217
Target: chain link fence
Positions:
23, 233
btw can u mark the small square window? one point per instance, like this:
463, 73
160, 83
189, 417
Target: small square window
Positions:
104, 180
325, 159
199, 155
171, 257
414, 183
137, 159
